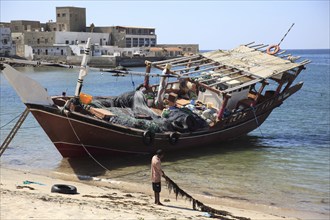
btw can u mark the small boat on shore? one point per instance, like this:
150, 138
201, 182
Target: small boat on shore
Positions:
202, 99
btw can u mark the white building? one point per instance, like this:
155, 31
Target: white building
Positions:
7, 48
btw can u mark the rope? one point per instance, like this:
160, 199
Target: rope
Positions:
89, 154
11, 120
255, 116
285, 35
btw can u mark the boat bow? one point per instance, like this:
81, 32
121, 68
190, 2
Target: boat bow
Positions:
29, 90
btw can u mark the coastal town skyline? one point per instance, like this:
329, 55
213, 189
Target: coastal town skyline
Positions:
211, 24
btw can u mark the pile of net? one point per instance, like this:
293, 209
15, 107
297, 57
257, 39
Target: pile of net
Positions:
197, 205
131, 110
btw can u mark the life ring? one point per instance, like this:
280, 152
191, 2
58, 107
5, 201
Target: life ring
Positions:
272, 52
147, 137
65, 189
174, 137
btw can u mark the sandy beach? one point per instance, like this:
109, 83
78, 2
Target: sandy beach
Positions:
107, 199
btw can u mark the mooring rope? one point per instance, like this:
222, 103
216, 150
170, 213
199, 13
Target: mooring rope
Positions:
89, 154
11, 120
255, 116
172, 186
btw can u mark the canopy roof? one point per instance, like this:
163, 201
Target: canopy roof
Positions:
252, 61
242, 66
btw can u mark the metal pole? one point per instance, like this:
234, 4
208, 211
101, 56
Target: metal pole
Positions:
285, 35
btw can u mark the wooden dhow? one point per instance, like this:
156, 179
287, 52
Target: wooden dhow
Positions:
201, 99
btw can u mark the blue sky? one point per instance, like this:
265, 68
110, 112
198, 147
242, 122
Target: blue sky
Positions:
211, 24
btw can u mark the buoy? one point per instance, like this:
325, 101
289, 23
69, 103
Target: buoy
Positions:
273, 49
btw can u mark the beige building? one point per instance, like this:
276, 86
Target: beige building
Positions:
70, 19
19, 26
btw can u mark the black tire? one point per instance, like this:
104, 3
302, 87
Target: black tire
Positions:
190, 121
174, 137
65, 189
148, 137
178, 126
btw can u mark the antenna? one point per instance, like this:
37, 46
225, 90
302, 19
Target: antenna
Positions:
285, 35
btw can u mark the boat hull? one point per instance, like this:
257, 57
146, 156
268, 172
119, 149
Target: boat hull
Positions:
76, 135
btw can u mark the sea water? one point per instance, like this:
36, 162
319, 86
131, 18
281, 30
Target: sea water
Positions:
284, 163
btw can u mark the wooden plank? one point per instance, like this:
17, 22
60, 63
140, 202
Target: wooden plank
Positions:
101, 113
243, 85
175, 60
193, 67
182, 102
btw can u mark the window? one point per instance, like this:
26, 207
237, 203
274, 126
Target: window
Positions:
146, 42
152, 42
63, 14
141, 42
135, 42
58, 15
46, 41
66, 42
128, 42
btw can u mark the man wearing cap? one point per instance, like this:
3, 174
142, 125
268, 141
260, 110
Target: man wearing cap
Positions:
156, 174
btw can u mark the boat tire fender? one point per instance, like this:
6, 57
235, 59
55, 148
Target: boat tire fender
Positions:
190, 122
174, 137
65, 189
180, 127
272, 52
148, 137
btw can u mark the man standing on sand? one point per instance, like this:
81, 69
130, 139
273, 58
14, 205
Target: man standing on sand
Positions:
156, 174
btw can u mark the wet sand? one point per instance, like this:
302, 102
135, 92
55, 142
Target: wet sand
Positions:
106, 199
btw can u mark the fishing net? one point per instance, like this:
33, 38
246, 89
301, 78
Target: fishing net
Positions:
172, 186
131, 110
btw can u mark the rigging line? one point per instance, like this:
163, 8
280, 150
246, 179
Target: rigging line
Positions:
285, 35
133, 84
321, 93
89, 154
8, 129
255, 116
8, 113
10, 121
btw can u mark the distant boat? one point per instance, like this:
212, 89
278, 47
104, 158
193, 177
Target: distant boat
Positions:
201, 99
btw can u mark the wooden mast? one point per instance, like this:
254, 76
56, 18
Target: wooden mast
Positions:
83, 68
